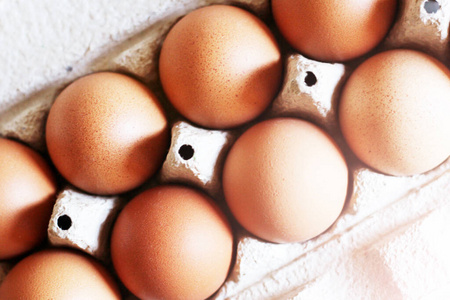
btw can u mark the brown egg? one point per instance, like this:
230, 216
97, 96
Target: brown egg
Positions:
334, 30
220, 66
107, 133
59, 274
285, 180
27, 195
172, 242
394, 112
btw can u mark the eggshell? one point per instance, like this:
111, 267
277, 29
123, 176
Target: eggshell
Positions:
394, 112
334, 30
220, 66
59, 274
172, 242
27, 195
107, 133
285, 180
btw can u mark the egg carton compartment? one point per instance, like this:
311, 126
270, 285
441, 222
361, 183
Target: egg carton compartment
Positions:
329, 266
84, 221
311, 91
422, 25
196, 157
373, 195
386, 222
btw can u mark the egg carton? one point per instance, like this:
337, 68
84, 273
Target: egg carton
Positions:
422, 25
390, 240
311, 91
196, 157
84, 221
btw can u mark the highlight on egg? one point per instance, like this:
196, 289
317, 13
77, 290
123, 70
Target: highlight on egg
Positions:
172, 242
394, 112
285, 180
334, 30
27, 194
107, 133
220, 66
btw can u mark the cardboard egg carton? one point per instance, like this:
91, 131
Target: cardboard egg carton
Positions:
84, 221
422, 25
311, 91
390, 240
196, 157
378, 206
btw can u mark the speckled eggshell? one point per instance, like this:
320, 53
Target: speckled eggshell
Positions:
107, 133
394, 112
27, 195
334, 30
59, 274
172, 242
285, 180
220, 66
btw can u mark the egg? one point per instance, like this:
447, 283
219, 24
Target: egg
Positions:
27, 195
107, 133
285, 180
59, 274
334, 30
172, 242
394, 112
220, 66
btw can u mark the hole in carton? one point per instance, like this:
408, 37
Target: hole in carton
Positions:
186, 152
64, 222
431, 6
310, 79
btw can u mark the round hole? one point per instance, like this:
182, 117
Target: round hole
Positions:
310, 79
431, 6
186, 152
64, 222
